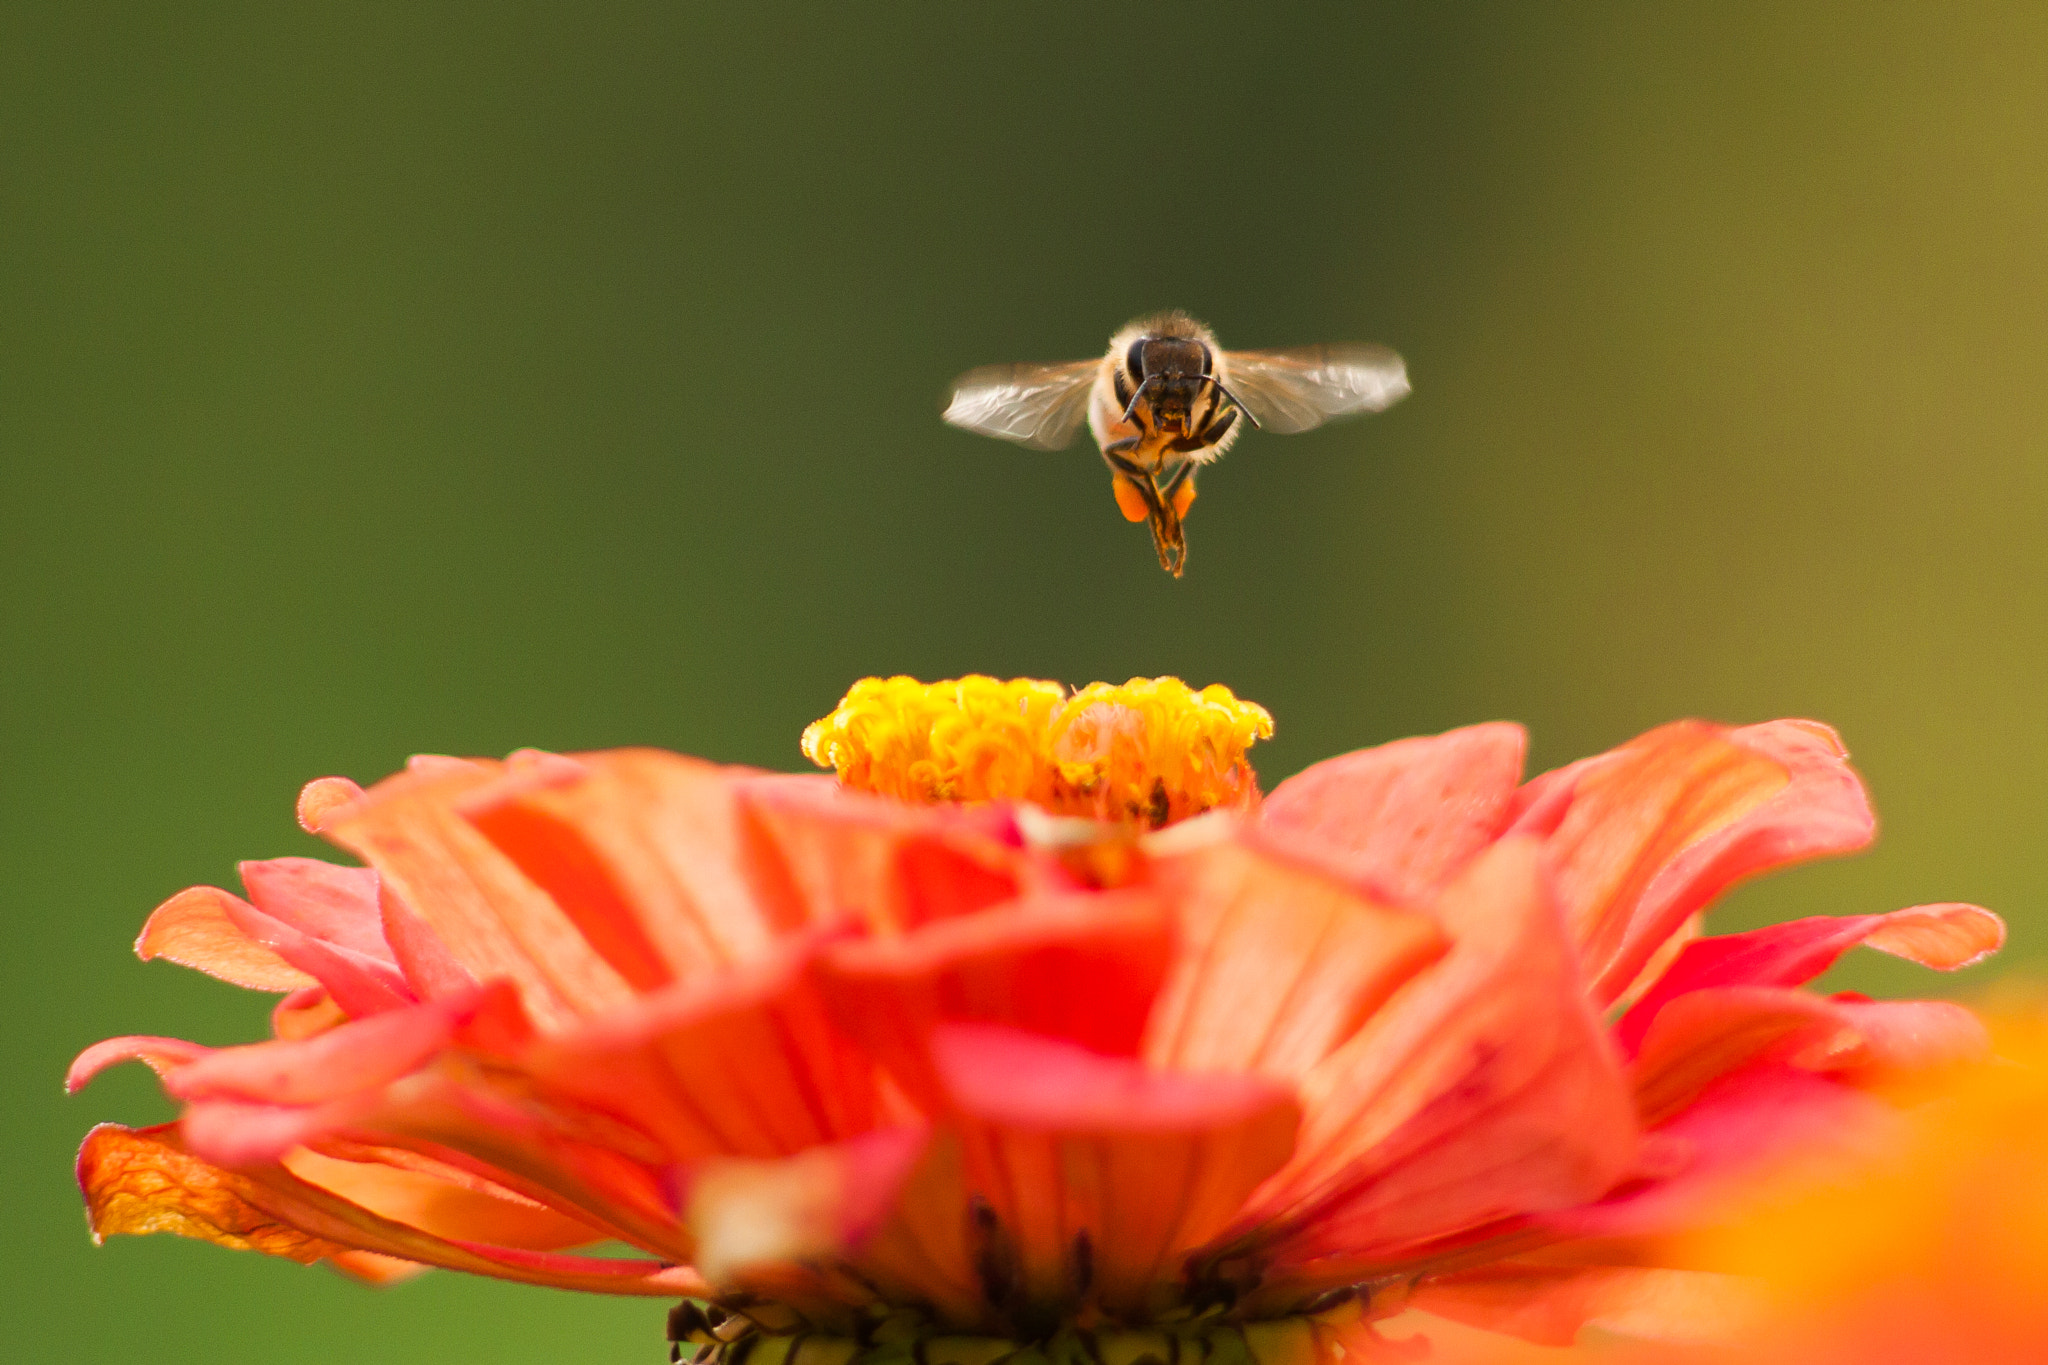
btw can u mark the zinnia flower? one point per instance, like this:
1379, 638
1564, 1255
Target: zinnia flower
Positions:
1035, 1029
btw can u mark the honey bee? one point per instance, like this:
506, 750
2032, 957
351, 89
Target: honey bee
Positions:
1165, 400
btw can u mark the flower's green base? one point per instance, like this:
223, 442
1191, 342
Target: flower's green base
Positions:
704, 1336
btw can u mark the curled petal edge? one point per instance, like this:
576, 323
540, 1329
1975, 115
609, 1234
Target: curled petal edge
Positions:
140, 1181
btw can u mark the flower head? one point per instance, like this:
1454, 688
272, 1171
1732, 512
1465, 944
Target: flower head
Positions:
895, 1058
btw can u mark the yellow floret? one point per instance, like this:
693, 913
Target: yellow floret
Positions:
1149, 752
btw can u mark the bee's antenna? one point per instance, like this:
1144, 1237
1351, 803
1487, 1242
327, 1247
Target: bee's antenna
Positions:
1231, 396
1145, 384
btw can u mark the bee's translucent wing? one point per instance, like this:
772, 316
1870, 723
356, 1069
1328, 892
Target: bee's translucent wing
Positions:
1033, 405
1305, 386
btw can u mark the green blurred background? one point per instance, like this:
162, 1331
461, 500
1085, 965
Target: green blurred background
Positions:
457, 378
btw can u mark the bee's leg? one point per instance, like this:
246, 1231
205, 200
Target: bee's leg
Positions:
1169, 540
1137, 493
1130, 497
1178, 492
1207, 436
1123, 446
1167, 537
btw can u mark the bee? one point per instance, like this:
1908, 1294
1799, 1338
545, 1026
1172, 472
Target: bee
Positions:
1166, 400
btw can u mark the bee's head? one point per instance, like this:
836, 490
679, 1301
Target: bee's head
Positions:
1178, 367
1172, 357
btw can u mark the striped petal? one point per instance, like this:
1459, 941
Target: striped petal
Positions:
1946, 937
144, 1181
1643, 837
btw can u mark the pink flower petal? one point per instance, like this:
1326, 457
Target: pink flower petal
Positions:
1947, 937
357, 1056
745, 1063
1746, 1122
1080, 968
1279, 964
161, 1055
1644, 836
643, 851
1485, 1089
224, 935
878, 863
430, 968
1407, 816
321, 900
493, 920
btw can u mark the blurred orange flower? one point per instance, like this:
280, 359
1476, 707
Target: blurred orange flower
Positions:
857, 1068
1937, 1249
1931, 1247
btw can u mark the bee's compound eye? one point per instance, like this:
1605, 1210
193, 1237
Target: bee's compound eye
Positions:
1208, 360
1134, 359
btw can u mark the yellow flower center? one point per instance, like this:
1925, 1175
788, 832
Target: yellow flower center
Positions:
1149, 752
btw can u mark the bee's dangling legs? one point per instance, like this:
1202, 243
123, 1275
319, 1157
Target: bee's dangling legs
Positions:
1130, 498
1169, 540
1141, 498
1137, 492
1178, 491
1174, 495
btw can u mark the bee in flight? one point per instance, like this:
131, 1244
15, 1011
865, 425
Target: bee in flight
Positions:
1165, 401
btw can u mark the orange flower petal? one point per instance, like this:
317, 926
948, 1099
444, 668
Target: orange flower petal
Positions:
765, 1226
194, 929
1485, 1089
745, 1063
1706, 1034
1081, 968
305, 1013
878, 863
1644, 836
1947, 937
1407, 815
592, 1165
143, 1181
1744, 1122
323, 796
644, 851
1278, 964
1551, 1305
1096, 1171
459, 1210
374, 1269
493, 920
